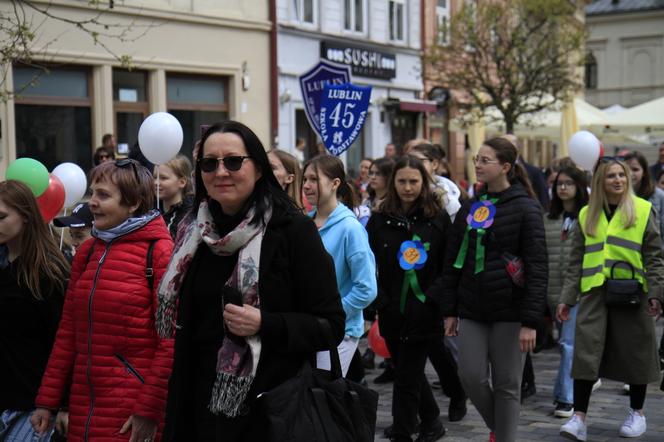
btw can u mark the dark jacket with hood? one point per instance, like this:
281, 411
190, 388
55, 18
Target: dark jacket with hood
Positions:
491, 296
386, 234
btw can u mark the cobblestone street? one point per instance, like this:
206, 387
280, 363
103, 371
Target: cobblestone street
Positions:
608, 409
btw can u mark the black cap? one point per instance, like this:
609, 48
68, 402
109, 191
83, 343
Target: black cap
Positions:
80, 217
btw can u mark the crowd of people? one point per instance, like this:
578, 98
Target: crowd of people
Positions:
188, 289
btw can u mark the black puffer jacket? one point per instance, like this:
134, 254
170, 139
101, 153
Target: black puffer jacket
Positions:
386, 233
490, 296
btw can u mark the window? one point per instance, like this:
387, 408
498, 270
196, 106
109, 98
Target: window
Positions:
303, 11
196, 101
130, 103
355, 15
443, 22
396, 20
53, 115
591, 71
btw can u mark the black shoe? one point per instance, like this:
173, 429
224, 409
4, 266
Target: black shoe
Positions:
368, 360
385, 377
563, 410
457, 409
431, 432
527, 391
389, 431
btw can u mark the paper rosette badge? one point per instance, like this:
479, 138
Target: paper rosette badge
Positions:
412, 255
481, 215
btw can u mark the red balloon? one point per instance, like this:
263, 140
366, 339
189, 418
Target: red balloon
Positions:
52, 200
376, 342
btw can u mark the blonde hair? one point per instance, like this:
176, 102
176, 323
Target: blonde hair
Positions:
599, 201
292, 166
181, 167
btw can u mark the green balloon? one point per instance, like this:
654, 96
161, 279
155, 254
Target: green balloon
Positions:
30, 172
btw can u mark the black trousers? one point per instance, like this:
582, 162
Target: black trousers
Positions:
446, 368
412, 395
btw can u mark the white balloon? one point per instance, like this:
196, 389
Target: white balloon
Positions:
74, 180
160, 137
584, 149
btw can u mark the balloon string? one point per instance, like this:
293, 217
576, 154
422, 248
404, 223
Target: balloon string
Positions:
157, 196
62, 230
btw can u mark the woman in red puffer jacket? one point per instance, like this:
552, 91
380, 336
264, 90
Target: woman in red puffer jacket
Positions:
107, 353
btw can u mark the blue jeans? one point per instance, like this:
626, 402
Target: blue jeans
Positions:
15, 426
563, 391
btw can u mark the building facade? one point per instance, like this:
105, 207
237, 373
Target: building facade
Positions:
348, 32
201, 60
625, 52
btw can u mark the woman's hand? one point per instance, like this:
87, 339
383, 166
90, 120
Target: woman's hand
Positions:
451, 326
562, 312
527, 337
62, 422
41, 420
654, 308
242, 321
142, 429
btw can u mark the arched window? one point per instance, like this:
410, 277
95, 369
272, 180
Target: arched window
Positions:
591, 71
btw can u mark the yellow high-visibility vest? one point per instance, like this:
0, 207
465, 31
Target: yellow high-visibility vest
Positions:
614, 243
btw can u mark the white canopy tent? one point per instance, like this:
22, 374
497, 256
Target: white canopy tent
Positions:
646, 118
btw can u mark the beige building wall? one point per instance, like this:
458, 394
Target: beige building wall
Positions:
211, 37
629, 49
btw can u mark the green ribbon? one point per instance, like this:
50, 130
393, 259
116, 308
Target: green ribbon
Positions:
410, 281
479, 245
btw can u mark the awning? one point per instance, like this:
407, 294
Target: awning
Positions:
417, 105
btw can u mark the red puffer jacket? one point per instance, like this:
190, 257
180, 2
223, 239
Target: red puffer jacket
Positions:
107, 346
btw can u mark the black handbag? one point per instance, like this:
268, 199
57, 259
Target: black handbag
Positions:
320, 406
623, 292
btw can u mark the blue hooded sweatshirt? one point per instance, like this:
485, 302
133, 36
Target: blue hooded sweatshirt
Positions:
347, 242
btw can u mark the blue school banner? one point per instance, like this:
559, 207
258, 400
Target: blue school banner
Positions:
343, 112
312, 83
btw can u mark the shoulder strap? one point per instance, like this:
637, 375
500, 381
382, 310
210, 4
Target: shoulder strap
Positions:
149, 271
90, 250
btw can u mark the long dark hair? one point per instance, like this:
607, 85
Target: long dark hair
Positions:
385, 167
41, 259
267, 191
333, 168
580, 197
646, 187
506, 152
425, 201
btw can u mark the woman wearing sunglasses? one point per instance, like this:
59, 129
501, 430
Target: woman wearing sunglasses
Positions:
246, 284
569, 195
615, 276
495, 282
107, 351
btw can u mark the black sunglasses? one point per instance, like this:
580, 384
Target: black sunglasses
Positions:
232, 163
607, 159
126, 162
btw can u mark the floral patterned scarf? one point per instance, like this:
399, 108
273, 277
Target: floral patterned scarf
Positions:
237, 358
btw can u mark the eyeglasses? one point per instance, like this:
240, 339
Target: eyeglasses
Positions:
483, 160
232, 163
566, 184
125, 163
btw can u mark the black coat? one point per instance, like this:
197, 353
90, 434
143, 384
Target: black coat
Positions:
297, 284
386, 233
491, 296
27, 333
538, 183
176, 214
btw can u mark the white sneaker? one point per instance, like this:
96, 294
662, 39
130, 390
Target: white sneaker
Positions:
597, 384
574, 429
634, 425
626, 388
